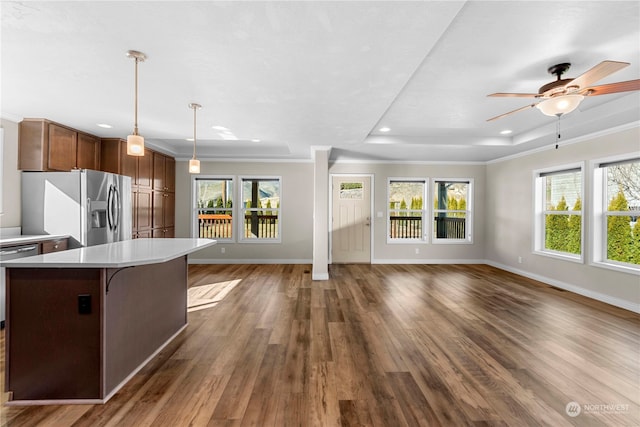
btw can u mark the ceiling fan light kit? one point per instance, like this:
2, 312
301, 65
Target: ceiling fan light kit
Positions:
562, 96
559, 105
135, 142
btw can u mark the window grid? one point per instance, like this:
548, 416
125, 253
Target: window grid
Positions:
452, 224
406, 209
558, 221
260, 209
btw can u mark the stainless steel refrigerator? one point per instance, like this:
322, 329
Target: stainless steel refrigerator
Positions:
92, 207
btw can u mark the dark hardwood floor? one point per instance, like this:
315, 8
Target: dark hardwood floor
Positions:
377, 345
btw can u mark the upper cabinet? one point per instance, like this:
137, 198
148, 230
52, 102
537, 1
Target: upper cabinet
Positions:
48, 146
164, 173
88, 151
114, 159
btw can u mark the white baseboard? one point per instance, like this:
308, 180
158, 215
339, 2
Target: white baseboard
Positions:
248, 261
428, 261
608, 299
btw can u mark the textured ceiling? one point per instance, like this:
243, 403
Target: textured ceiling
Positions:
302, 74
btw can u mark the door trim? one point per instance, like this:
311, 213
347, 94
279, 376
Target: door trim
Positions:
371, 201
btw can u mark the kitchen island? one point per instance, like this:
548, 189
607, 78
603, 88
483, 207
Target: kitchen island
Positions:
80, 323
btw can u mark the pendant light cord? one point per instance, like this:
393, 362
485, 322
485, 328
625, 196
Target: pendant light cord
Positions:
135, 113
194, 131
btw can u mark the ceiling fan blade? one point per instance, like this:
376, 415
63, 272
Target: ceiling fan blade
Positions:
511, 112
515, 95
627, 86
598, 72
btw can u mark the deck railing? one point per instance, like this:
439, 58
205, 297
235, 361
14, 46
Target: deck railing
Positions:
408, 227
220, 226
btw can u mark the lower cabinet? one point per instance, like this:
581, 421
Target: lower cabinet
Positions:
143, 234
168, 232
57, 245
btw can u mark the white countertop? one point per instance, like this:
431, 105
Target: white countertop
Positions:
21, 239
126, 253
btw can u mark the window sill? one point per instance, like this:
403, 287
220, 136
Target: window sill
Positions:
616, 267
559, 255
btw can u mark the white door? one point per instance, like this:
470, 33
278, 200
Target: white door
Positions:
351, 219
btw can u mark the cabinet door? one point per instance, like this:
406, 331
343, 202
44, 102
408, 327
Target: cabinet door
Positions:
145, 170
110, 155
168, 210
170, 174
55, 245
88, 153
143, 234
159, 172
128, 164
144, 204
62, 148
158, 208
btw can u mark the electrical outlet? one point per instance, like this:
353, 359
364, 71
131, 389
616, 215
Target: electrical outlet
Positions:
222, 250
417, 251
84, 304
519, 260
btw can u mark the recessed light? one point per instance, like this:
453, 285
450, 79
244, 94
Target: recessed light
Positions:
219, 128
255, 140
506, 132
104, 125
384, 129
189, 139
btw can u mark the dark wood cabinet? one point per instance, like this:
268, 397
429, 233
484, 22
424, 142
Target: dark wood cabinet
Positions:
144, 177
143, 213
88, 152
164, 173
57, 245
114, 158
63, 144
153, 185
47, 146
163, 209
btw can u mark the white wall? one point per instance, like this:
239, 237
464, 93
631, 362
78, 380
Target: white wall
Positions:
11, 176
509, 206
296, 209
384, 252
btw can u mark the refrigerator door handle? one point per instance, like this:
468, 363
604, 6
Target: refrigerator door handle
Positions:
116, 207
110, 207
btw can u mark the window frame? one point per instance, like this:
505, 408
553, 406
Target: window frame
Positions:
599, 227
540, 212
426, 224
468, 240
242, 209
194, 209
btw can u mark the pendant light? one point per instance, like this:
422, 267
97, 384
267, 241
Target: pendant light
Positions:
135, 142
194, 164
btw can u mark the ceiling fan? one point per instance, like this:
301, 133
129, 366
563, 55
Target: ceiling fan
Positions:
564, 95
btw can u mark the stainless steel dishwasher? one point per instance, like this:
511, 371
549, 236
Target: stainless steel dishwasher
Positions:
7, 253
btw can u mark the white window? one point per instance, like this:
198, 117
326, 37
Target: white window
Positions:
452, 210
213, 208
407, 210
260, 209
616, 210
558, 222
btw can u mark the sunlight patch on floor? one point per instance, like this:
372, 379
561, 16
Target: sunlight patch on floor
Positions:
207, 296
